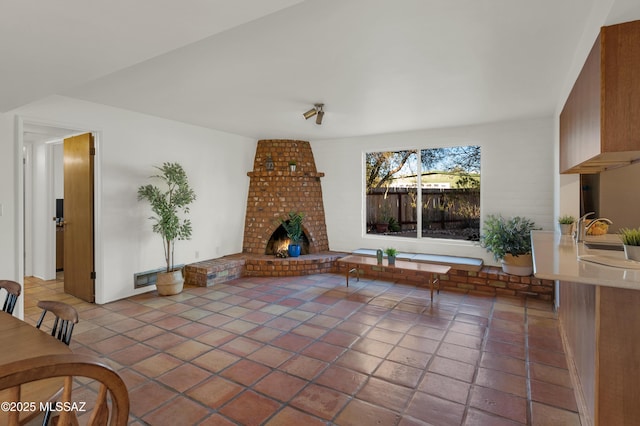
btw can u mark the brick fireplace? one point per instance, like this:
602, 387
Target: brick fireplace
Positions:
275, 190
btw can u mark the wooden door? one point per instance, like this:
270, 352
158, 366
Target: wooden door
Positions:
79, 272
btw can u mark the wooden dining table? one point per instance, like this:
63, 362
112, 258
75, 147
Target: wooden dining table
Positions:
19, 340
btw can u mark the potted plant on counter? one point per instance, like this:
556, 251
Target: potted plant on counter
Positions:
566, 224
293, 226
510, 241
631, 241
168, 202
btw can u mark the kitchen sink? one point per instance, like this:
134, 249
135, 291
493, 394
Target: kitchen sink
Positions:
604, 246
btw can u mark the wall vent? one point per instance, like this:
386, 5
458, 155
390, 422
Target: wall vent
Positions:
147, 278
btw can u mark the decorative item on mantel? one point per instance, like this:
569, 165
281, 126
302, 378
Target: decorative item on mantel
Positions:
631, 241
269, 163
292, 166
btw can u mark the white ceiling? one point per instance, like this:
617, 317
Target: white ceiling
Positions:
252, 67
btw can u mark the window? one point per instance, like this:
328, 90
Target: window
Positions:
445, 182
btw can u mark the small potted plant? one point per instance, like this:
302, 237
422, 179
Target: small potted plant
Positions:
167, 202
391, 255
293, 226
293, 165
566, 224
510, 241
631, 241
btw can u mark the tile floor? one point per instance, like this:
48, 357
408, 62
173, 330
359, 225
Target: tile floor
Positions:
308, 350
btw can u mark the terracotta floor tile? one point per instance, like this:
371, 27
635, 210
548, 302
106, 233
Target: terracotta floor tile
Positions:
238, 326
323, 351
339, 338
263, 334
462, 327
503, 363
398, 373
341, 379
113, 344
171, 322
557, 396
509, 383
427, 332
320, 401
271, 356
382, 393
215, 360
358, 413
292, 342
543, 415
184, 377
459, 353
372, 347
216, 337
156, 365
480, 418
142, 333
383, 335
502, 404
280, 386
291, 417
132, 354
555, 359
242, 346
461, 339
148, 397
303, 366
445, 388
165, 340
434, 410
549, 374
359, 362
258, 317
215, 392
192, 329
502, 348
245, 372
261, 408
451, 368
419, 344
188, 350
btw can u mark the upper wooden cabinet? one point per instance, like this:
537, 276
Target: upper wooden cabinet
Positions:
600, 122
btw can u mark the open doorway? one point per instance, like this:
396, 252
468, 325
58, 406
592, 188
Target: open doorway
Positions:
43, 197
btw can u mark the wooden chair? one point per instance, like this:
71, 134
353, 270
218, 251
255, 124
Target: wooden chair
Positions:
66, 318
13, 291
68, 366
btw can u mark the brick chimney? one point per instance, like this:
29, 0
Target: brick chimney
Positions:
275, 191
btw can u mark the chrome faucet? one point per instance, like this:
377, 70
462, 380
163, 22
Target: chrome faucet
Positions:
594, 221
581, 228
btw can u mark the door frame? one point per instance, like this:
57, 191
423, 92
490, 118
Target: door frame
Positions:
23, 233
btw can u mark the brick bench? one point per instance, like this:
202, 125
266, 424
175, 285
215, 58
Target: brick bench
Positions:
214, 271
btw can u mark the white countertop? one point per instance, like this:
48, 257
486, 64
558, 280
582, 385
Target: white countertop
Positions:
555, 257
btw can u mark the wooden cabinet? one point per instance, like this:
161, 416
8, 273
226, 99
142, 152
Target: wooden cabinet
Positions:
600, 122
600, 328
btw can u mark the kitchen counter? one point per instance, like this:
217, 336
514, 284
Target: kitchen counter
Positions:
556, 257
599, 313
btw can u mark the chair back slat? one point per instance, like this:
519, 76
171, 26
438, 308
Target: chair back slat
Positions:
65, 319
13, 290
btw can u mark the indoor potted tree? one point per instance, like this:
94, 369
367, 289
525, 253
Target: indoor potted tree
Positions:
167, 202
510, 241
293, 226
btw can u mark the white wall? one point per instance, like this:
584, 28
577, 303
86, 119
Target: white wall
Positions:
620, 198
129, 144
517, 180
8, 233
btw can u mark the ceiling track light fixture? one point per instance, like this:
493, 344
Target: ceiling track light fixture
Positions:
317, 110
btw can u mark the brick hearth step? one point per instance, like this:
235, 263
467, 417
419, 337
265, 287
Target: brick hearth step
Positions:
214, 271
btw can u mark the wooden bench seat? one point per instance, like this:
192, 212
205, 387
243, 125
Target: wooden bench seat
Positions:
455, 262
